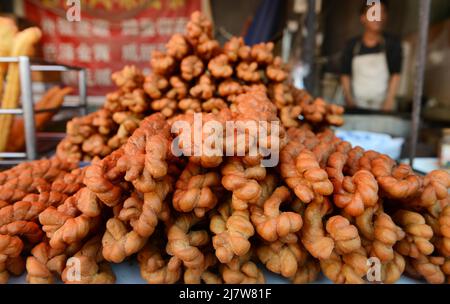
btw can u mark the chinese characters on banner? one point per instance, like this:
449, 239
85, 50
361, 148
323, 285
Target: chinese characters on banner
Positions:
111, 34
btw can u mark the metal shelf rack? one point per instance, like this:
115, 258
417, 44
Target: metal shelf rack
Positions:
26, 66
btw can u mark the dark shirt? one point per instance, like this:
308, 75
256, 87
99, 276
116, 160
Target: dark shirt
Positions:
392, 46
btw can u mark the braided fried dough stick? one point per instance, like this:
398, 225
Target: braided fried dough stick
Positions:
242, 180
307, 273
152, 208
240, 270
345, 235
48, 169
378, 227
199, 275
87, 266
436, 185
392, 271
145, 153
10, 247
119, 243
73, 220
418, 234
284, 259
430, 268
184, 244
195, 190
99, 176
45, 262
357, 193
313, 233
29, 209
70, 182
30, 177
30, 230
348, 269
272, 224
397, 182
444, 227
199, 150
157, 270
302, 173
232, 229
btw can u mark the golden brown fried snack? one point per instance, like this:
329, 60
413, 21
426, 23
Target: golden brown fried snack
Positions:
313, 233
283, 259
243, 181
204, 89
289, 116
196, 190
177, 46
46, 262
87, 266
262, 52
272, 224
229, 89
275, 70
307, 273
207, 47
345, 235
232, 229
357, 193
397, 182
418, 234
157, 270
444, 228
155, 85
392, 271
166, 106
197, 27
72, 221
136, 101
119, 243
190, 105
162, 64
98, 179
240, 270
235, 49
26, 229
301, 171
346, 269
183, 243
378, 227
430, 268
191, 67
248, 72
436, 185
213, 105
219, 67
129, 78
202, 274
10, 247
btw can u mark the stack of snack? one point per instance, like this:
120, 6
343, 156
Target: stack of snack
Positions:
219, 217
194, 75
26, 190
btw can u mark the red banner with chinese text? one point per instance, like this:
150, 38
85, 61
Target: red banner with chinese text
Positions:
110, 34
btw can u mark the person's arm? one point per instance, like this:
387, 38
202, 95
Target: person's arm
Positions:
347, 88
395, 59
346, 74
394, 83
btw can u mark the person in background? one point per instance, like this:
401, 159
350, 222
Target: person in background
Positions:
372, 64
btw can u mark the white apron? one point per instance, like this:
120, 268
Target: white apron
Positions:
370, 80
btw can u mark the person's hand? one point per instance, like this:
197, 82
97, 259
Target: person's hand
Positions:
387, 106
350, 104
